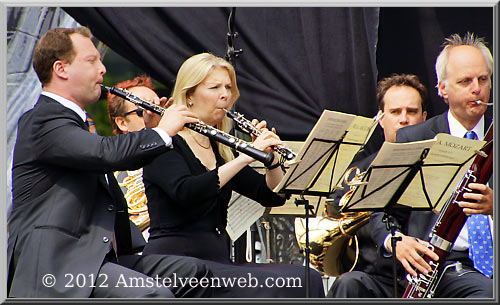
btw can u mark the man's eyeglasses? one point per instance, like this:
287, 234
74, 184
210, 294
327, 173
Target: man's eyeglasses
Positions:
139, 111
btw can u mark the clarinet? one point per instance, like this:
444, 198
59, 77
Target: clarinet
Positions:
450, 222
200, 127
246, 126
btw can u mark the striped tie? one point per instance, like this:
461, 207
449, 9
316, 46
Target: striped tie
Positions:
91, 125
480, 242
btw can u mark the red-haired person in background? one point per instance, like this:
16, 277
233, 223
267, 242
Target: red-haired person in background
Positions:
125, 116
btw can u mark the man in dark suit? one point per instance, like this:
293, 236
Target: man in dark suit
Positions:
464, 69
403, 101
69, 233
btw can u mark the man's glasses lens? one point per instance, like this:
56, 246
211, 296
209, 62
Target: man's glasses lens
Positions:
139, 111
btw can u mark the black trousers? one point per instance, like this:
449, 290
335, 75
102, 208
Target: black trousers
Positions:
256, 280
467, 283
152, 276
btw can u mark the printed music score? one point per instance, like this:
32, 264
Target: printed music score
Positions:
242, 212
443, 168
319, 146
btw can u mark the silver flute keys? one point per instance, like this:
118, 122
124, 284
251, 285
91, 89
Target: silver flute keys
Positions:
247, 126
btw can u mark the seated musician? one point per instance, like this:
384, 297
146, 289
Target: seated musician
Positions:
68, 234
188, 190
125, 117
464, 69
403, 100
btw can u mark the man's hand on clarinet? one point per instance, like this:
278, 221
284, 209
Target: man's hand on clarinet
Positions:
175, 117
151, 119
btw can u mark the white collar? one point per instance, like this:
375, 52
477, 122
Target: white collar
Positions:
67, 103
458, 130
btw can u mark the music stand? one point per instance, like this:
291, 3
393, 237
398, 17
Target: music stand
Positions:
377, 193
329, 148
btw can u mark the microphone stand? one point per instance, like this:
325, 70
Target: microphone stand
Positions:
393, 227
231, 52
307, 248
231, 55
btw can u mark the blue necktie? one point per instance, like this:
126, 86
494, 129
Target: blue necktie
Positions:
480, 242
470, 135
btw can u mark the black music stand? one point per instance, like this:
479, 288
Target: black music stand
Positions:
307, 207
319, 150
361, 196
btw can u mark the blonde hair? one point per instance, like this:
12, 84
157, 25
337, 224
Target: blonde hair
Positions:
192, 72
454, 41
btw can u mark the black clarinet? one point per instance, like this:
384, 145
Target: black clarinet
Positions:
200, 127
246, 126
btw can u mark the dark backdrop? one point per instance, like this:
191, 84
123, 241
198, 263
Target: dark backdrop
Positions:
410, 40
295, 61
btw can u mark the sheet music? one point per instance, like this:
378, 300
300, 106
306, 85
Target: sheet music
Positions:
319, 146
447, 149
242, 212
389, 154
443, 149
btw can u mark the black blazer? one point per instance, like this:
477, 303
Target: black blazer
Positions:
63, 211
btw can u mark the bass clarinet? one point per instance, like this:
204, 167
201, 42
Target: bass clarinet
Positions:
200, 127
450, 222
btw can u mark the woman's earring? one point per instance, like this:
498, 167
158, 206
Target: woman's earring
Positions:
190, 103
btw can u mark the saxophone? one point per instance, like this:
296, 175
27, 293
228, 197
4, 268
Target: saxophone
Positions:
334, 245
333, 241
450, 222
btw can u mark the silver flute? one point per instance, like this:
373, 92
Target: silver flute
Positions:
247, 126
200, 127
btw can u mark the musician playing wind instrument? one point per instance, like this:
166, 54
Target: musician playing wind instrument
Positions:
189, 187
403, 101
464, 68
68, 218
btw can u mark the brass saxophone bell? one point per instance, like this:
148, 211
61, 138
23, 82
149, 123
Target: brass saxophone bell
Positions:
334, 246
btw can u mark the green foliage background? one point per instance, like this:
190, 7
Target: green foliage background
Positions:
118, 69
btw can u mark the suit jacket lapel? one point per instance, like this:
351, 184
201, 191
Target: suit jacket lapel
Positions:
48, 100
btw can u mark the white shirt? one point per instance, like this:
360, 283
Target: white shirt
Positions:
457, 130
71, 105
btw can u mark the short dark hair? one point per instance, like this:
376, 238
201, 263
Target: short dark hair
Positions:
409, 80
53, 46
